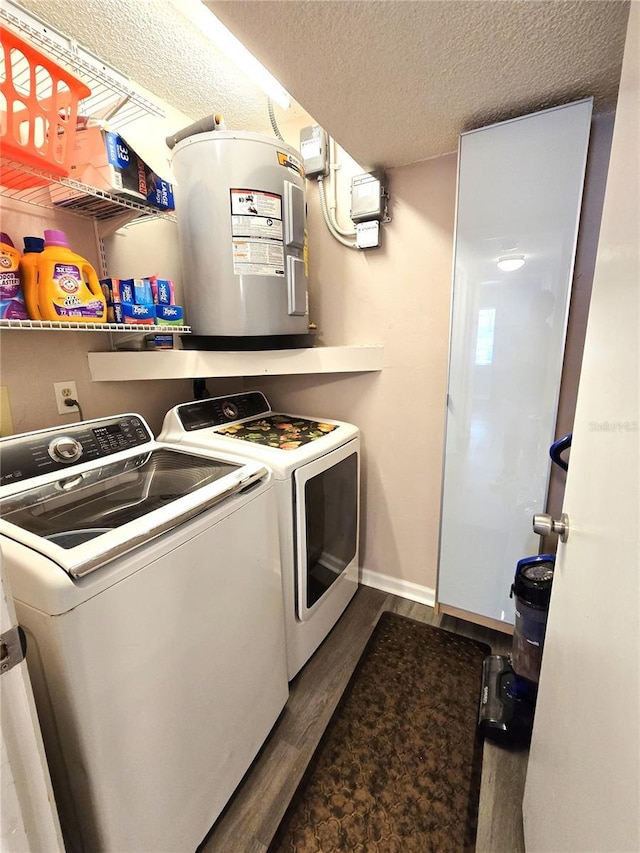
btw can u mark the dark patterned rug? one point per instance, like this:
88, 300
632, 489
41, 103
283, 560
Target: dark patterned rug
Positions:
398, 768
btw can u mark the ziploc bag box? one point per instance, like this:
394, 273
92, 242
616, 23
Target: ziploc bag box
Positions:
170, 315
163, 290
139, 315
138, 291
136, 176
159, 191
104, 159
117, 290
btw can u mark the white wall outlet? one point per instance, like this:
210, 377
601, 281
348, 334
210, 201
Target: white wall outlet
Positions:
65, 391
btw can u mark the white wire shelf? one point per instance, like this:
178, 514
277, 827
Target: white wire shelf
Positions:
111, 91
57, 325
112, 95
70, 195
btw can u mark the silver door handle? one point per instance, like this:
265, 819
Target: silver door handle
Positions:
544, 525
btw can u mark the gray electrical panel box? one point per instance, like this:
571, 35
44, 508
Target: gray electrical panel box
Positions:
368, 197
314, 149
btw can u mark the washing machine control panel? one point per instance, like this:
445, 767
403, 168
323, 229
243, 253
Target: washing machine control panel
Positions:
218, 411
26, 456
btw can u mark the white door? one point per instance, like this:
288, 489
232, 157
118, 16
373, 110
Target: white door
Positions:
29, 818
583, 783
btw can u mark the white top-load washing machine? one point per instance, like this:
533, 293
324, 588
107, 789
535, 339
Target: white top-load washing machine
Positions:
316, 463
147, 580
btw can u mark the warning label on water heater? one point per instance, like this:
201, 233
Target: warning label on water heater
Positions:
256, 232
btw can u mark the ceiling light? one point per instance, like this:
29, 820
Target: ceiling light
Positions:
233, 49
510, 263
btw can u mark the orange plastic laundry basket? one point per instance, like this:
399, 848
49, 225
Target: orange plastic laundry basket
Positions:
38, 111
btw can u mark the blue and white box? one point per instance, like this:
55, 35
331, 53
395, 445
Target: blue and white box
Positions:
170, 315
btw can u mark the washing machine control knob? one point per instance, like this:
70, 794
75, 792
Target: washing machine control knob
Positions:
229, 410
65, 449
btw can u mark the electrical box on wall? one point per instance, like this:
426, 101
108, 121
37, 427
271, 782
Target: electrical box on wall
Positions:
368, 197
314, 149
369, 201
368, 234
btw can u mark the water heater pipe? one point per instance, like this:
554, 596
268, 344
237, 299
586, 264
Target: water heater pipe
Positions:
203, 125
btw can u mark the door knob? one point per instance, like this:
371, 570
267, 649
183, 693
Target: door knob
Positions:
544, 525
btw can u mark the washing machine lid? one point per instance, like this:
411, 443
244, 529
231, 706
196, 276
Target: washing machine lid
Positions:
90, 514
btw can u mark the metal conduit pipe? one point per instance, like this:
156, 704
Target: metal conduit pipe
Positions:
350, 244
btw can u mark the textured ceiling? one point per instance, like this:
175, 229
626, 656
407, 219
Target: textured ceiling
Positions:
392, 81
153, 44
395, 82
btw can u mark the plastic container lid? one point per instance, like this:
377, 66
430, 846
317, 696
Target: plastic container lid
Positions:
52, 237
533, 580
4, 238
33, 244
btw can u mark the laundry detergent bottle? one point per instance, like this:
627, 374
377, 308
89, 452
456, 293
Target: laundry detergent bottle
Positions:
29, 263
68, 287
12, 305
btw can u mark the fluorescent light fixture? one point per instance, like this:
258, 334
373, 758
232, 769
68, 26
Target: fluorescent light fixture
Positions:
511, 263
233, 49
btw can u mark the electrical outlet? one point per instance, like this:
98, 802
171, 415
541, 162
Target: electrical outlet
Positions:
65, 391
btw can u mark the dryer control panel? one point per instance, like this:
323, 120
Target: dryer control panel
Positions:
23, 457
217, 411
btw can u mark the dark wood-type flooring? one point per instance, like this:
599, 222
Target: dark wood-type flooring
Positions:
251, 818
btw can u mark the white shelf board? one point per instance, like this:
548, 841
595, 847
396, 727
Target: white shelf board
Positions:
203, 364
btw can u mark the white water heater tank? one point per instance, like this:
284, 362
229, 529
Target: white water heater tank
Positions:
241, 214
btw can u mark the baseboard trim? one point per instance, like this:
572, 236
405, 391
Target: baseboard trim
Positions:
396, 586
476, 618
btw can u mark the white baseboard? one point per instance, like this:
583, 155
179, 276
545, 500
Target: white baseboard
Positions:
396, 586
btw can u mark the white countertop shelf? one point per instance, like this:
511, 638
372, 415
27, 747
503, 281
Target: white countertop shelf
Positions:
205, 364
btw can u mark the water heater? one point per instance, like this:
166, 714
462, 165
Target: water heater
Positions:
242, 220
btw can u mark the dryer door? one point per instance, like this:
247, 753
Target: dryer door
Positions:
327, 497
